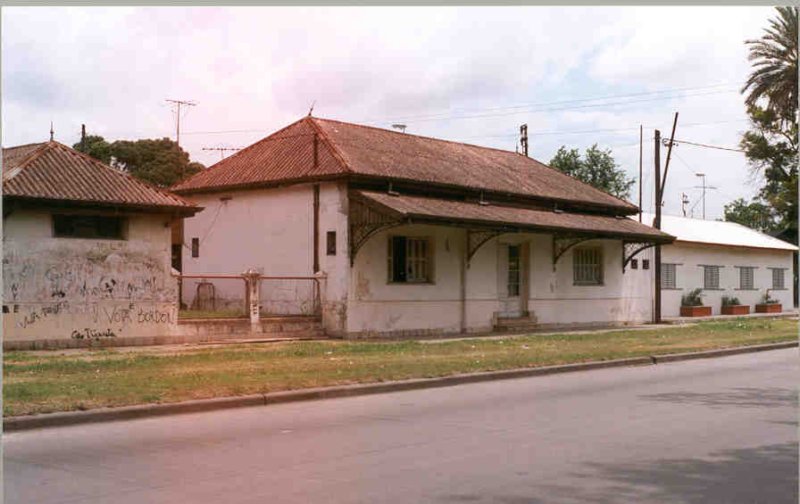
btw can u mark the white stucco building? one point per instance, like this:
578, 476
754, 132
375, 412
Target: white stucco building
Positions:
86, 251
417, 235
723, 259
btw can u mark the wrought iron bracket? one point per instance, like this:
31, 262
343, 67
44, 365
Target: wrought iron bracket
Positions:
476, 238
631, 249
562, 243
365, 222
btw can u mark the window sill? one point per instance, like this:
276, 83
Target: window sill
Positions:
710, 289
746, 289
672, 288
588, 285
410, 283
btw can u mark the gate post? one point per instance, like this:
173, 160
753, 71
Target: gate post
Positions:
251, 278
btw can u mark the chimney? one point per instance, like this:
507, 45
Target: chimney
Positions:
523, 138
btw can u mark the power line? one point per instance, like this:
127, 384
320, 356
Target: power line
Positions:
561, 102
178, 104
556, 109
707, 146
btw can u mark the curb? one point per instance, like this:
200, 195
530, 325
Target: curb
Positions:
28, 422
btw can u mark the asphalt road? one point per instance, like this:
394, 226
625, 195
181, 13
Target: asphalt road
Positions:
717, 430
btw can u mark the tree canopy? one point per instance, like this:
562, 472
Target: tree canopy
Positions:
158, 161
755, 215
597, 168
771, 143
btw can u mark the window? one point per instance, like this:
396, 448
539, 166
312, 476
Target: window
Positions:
777, 279
513, 270
410, 260
711, 277
645, 263
634, 263
89, 226
587, 266
668, 276
746, 277
195, 247
330, 244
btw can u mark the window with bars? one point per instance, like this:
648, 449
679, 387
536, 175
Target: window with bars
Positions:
89, 226
711, 277
746, 276
587, 266
410, 260
778, 278
668, 276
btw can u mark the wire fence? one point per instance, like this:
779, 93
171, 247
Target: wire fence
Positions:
227, 296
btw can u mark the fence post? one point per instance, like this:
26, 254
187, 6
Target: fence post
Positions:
319, 278
251, 278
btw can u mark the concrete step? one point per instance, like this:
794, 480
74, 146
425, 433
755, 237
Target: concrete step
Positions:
516, 324
299, 325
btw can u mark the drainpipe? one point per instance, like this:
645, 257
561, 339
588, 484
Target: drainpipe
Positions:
463, 286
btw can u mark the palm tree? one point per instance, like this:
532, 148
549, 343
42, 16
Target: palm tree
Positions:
774, 58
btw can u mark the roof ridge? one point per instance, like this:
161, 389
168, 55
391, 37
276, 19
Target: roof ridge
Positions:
117, 172
222, 162
627, 203
337, 153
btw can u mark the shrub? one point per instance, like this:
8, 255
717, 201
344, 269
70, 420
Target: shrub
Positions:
692, 298
730, 301
768, 300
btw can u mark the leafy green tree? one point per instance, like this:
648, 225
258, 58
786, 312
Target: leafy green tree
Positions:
95, 146
597, 168
755, 215
771, 144
158, 161
161, 162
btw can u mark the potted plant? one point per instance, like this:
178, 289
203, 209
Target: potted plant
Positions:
732, 306
692, 305
768, 305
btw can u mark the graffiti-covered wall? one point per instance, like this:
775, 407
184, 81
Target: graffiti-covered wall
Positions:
69, 288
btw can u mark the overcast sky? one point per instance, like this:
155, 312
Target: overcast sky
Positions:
577, 76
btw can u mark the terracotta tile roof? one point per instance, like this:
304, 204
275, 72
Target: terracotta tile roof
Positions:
53, 171
352, 149
432, 209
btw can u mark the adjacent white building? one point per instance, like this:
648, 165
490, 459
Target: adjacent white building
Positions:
723, 259
416, 235
86, 251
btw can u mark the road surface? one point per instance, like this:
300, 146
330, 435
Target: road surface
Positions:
716, 430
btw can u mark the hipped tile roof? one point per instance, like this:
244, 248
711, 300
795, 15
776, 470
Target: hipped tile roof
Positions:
346, 149
434, 209
51, 171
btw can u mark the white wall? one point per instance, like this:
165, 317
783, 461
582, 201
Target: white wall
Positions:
271, 231
689, 274
376, 306
63, 288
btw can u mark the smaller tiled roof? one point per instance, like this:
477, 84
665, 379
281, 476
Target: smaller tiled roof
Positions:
713, 232
461, 212
51, 171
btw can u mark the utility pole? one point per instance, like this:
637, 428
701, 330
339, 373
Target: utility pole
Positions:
640, 172
178, 104
222, 150
83, 138
703, 187
523, 140
657, 225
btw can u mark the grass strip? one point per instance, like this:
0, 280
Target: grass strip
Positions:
50, 381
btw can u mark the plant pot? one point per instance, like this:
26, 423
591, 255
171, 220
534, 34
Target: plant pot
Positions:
695, 311
735, 309
769, 308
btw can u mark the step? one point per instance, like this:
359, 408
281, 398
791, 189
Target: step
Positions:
508, 324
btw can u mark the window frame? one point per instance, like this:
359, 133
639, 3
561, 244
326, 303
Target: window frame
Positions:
428, 259
330, 243
664, 268
577, 252
742, 270
782, 277
123, 224
708, 267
